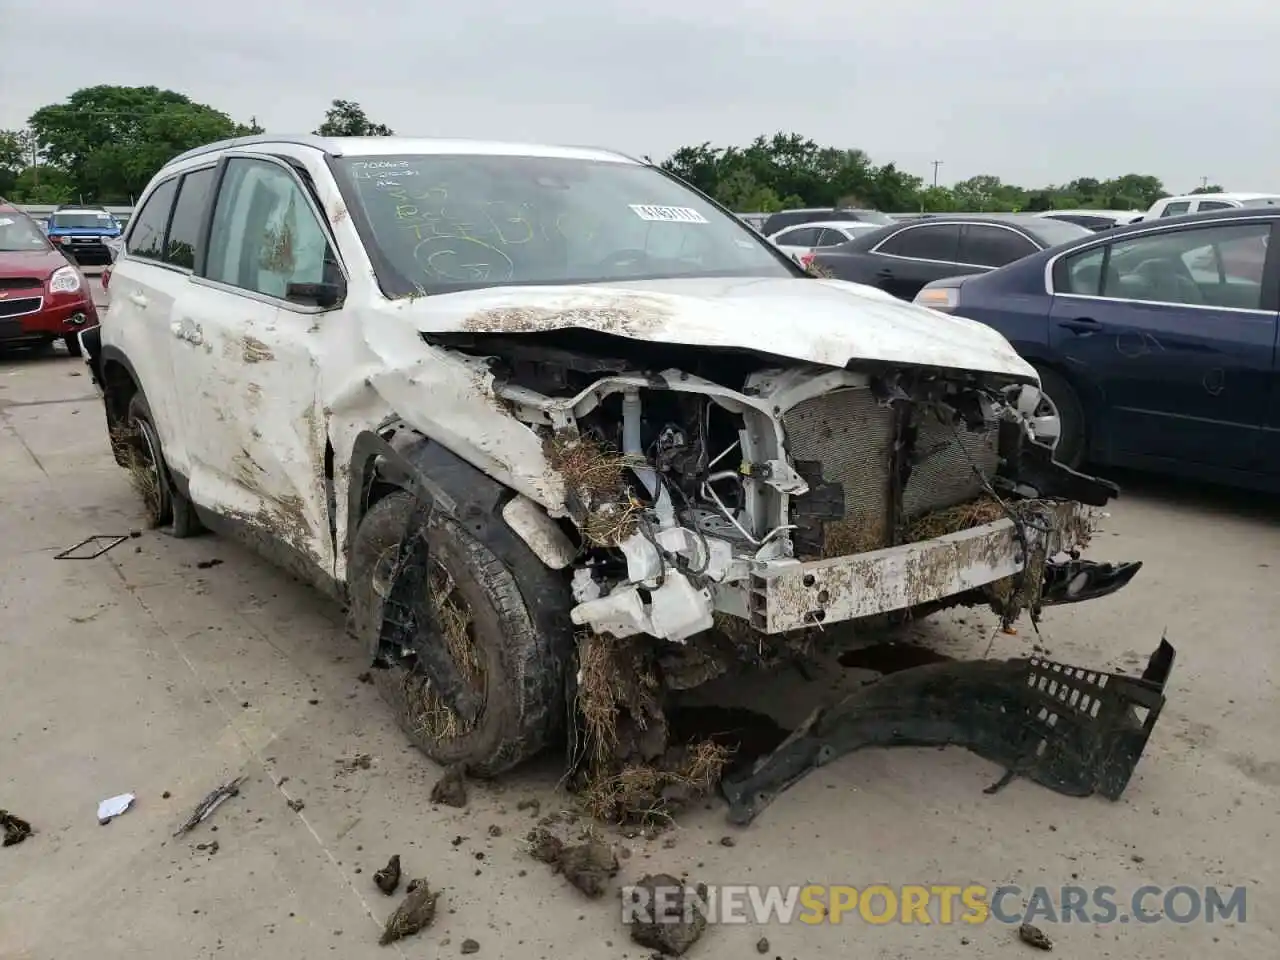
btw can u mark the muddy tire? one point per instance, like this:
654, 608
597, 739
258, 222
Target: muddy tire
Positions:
167, 509
1073, 440
521, 676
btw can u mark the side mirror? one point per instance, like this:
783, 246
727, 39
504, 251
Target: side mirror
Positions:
324, 295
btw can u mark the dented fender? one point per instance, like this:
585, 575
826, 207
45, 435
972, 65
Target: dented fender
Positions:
399, 455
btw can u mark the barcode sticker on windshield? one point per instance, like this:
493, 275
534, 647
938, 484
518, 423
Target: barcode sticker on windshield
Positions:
649, 211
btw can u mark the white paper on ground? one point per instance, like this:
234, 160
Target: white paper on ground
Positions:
112, 807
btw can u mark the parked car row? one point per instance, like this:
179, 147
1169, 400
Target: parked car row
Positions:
1156, 333
1156, 342
902, 257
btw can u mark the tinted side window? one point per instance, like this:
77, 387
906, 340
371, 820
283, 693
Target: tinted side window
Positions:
146, 238
187, 214
264, 234
1212, 205
933, 242
1173, 209
829, 238
987, 246
801, 237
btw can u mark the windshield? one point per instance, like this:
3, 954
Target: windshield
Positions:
82, 221
18, 232
445, 222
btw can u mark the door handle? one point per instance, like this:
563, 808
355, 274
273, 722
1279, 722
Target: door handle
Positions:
884, 273
1082, 325
138, 299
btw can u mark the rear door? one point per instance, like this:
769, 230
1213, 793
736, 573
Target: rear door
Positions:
245, 347
915, 255
1177, 330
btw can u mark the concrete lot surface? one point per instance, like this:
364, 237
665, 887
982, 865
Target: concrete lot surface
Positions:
143, 672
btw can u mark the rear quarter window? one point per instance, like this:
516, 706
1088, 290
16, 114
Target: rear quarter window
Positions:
188, 214
148, 226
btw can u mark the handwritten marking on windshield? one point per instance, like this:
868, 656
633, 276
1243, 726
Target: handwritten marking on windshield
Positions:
463, 260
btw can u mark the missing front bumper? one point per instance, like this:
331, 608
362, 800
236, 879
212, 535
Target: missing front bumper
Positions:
787, 596
1073, 730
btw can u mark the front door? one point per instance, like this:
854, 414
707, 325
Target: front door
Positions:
246, 355
1177, 330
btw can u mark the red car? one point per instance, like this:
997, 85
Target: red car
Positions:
43, 297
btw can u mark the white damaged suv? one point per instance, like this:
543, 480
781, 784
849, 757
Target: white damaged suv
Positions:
500, 397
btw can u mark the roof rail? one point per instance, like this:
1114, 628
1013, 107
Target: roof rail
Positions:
325, 144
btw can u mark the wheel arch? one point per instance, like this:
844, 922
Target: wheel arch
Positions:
119, 382
398, 457
1090, 395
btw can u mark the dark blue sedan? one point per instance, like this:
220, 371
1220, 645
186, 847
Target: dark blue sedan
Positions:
1157, 342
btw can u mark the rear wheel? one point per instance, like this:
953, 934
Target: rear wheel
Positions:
1073, 439
488, 632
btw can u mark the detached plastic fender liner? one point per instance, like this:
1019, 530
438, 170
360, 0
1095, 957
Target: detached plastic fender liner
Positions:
1074, 730
446, 485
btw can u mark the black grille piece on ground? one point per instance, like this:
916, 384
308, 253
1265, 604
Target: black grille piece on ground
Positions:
1073, 730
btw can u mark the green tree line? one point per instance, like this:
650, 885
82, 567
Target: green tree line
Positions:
104, 143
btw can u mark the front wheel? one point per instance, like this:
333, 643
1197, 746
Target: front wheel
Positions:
143, 457
488, 631
1065, 402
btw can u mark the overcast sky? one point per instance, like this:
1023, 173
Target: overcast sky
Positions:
1033, 92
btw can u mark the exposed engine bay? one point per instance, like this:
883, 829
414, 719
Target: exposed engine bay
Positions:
787, 497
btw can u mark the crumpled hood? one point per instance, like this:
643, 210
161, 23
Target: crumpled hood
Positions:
827, 322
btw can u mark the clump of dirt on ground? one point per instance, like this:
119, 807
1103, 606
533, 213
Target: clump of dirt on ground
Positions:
588, 865
672, 914
630, 773
451, 789
544, 846
416, 911
594, 474
15, 828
